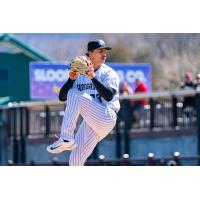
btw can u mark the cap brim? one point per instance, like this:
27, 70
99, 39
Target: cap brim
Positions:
107, 48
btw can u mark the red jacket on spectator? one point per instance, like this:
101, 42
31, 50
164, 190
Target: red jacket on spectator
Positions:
141, 87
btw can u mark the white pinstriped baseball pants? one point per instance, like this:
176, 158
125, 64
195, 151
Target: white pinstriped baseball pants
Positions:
98, 121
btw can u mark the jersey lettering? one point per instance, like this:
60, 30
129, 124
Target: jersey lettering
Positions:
86, 86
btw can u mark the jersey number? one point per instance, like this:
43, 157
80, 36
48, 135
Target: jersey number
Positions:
96, 96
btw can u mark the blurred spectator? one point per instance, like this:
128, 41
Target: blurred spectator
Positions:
138, 105
126, 88
197, 82
189, 102
125, 113
131, 109
140, 88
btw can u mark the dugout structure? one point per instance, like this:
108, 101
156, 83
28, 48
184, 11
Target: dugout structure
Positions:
15, 56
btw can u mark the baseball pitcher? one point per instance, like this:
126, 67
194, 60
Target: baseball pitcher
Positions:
92, 92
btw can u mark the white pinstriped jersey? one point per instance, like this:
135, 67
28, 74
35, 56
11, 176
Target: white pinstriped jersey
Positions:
107, 76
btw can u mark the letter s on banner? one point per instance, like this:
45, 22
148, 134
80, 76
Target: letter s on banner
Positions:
39, 75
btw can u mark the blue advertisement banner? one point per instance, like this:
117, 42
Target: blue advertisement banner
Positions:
47, 78
129, 72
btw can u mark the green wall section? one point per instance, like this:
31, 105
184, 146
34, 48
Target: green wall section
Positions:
17, 84
14, 69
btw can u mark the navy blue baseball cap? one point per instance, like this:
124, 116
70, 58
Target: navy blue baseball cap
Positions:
97, 44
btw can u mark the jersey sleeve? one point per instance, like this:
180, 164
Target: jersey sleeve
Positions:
111, 79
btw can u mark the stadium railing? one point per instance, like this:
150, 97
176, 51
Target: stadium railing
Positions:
42, 120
